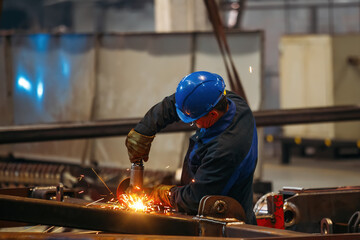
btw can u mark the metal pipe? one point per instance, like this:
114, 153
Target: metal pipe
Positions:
121, 127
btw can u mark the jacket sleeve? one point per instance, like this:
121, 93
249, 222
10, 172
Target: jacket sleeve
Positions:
210, 179
158, 117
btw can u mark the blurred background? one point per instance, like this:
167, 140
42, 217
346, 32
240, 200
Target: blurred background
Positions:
80, 61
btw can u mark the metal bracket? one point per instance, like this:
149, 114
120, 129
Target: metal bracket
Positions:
221, 207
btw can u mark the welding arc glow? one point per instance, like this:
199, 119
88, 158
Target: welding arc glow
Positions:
24, 83
134, 202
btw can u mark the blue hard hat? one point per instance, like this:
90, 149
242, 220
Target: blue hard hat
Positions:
197, 94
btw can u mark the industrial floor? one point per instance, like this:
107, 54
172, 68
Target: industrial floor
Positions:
311, 172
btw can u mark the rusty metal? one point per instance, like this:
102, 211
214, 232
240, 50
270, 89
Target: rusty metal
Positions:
111, 128
221, 207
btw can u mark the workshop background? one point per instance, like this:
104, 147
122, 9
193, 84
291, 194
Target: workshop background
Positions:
78, 61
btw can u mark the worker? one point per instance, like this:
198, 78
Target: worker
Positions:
222, 154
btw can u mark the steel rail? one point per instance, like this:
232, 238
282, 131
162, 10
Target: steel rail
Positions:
120, 127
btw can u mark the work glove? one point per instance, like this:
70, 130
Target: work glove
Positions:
161, 195
138, 146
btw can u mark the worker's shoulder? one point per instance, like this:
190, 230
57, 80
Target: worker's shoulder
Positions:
236, 98
242, 108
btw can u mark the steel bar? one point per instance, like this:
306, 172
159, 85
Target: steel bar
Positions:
307, 115
111, 128
55, 213
252, 231
77, 236
66, 214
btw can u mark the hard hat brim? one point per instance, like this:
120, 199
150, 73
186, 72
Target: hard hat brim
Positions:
185, 118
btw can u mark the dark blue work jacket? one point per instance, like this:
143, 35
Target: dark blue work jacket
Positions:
221, 160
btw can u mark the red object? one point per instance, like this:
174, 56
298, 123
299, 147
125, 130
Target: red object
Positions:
275, 216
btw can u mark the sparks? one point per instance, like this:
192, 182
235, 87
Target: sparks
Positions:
102, 181
94, 202
135, 202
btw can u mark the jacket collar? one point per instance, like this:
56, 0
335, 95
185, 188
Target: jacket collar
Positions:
205, 135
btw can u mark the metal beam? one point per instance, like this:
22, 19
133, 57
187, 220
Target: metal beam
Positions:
120, 127
55, 213
80, 216
307, 115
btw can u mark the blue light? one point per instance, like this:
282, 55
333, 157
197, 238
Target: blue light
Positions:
40, 90
24, 83
40, 41
65, 68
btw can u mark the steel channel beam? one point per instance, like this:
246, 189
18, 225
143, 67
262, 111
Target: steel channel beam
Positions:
252, 231
226, 227
106, 236
111, 128
38, 211
48, 212
53, 213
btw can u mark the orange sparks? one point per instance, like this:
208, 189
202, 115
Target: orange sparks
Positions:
135, 202
94, 202
102, 181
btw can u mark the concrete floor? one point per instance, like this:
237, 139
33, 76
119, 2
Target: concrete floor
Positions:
311, 172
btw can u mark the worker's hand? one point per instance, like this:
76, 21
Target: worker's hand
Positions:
138, 146
161, 194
